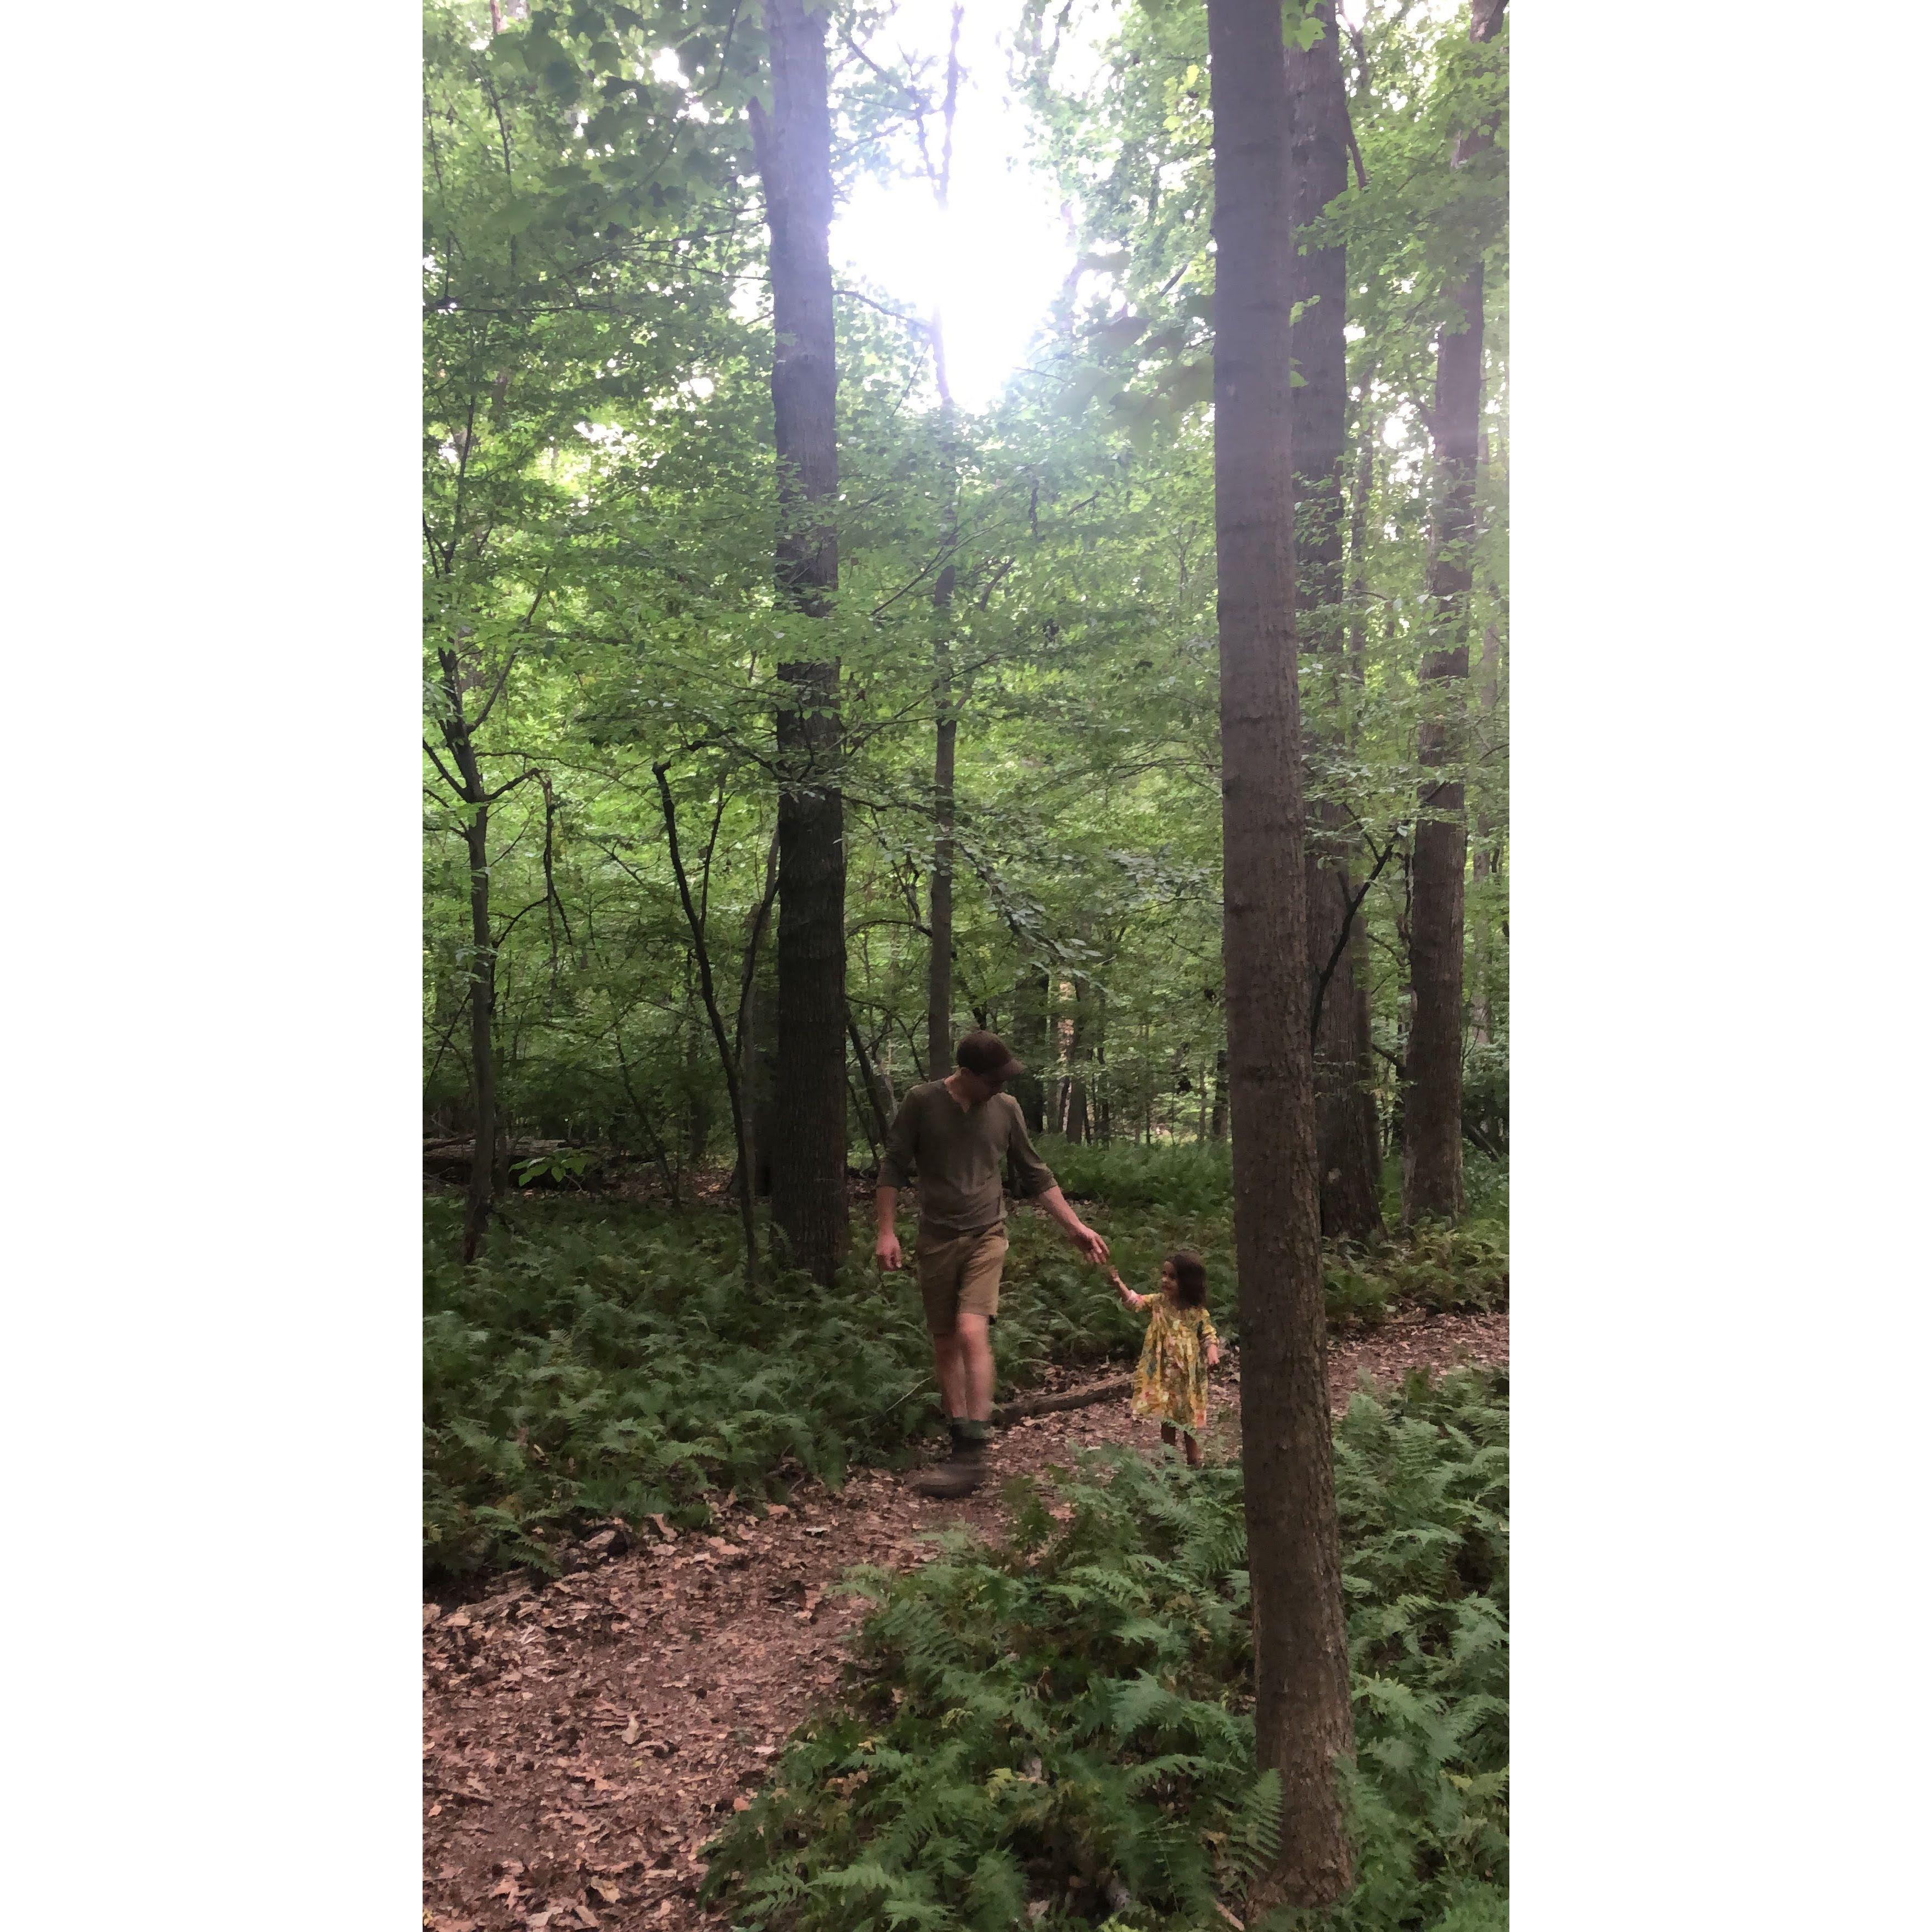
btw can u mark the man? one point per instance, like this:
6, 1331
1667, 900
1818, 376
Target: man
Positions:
956, 1133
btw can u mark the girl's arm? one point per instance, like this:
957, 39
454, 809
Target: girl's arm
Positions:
1213, 1341
1127, 1294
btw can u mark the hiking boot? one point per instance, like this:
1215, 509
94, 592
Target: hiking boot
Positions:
960, 1474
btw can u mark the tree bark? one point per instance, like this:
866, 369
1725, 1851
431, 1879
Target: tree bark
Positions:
727, 1058
946, 718
794, 143
1303, 1722
1433, 1108
482, 1199
1032, 1041
476, 796
939, 909
1481, 859
1318, 165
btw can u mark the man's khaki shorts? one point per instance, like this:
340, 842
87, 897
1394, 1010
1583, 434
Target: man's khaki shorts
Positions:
960, 1274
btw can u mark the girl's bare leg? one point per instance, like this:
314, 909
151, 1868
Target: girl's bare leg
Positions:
1193, 1452
1167, 1433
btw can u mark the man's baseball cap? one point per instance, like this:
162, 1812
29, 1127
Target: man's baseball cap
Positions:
986, 1054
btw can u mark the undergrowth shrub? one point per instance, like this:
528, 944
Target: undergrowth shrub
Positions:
1058, 1730
603, 1360
1191, 1176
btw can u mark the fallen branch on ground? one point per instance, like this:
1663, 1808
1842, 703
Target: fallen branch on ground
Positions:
1008, 1413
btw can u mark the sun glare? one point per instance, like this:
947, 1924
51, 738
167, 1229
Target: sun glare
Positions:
1005, 248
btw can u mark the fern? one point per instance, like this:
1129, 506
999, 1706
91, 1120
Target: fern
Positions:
1020, 1750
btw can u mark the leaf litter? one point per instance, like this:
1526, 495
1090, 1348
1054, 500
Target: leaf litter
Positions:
583, 1742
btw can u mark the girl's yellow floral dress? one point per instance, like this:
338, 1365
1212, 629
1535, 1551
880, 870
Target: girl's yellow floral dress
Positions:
1171, 1383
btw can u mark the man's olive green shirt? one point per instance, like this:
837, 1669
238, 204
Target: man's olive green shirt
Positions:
956, 1151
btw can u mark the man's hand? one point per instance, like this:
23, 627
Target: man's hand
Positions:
1089, 1243
885, 1249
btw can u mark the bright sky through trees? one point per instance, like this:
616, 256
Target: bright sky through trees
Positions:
1006, 249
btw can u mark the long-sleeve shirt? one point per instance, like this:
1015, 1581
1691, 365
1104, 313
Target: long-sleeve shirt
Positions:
956, 1151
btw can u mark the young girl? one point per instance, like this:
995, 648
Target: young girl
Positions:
1171, 1384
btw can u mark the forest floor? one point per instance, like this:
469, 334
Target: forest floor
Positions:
584, 1740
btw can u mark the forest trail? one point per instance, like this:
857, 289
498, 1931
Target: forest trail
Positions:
582, 1741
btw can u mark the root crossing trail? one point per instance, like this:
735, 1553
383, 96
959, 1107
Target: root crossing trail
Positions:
583, 1742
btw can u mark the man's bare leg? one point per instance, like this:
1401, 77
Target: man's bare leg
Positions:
949, 1366
963, 1360
975, 1344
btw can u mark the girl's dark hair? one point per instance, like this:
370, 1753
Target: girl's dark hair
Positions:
1190, 1278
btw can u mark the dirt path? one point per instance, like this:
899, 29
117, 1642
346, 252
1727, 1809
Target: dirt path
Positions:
581, 1742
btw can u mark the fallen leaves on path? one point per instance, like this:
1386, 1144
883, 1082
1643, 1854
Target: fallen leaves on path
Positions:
582, 1741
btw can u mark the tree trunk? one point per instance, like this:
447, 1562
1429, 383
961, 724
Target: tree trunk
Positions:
1319, 172
476, 795
1303, 1722
1481, 860
1217, 1120
939, 914
794, 143
1433, 1108
946, 721
727, 1058
1032, 1041
482, 1048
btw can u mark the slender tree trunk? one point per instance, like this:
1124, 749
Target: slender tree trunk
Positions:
745, 1044
727, 1057
939, 910
1319, 163
482, 1047
1481, 861
475, 793
1303, 1722
793, 144
1077, 1126
879, 1103
1432, 1108
1033, 1040
946, 720
1217, 1120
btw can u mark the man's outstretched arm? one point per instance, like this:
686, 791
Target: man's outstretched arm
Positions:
1083, 1237
1034, 1179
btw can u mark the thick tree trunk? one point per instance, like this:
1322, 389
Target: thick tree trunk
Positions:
794, 153
1433, 1108
1303, 1723
1318, 165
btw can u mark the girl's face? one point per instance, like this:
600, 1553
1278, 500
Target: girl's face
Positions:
1168, 1284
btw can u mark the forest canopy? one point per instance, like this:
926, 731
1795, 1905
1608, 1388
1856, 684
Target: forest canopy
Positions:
1024, 747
